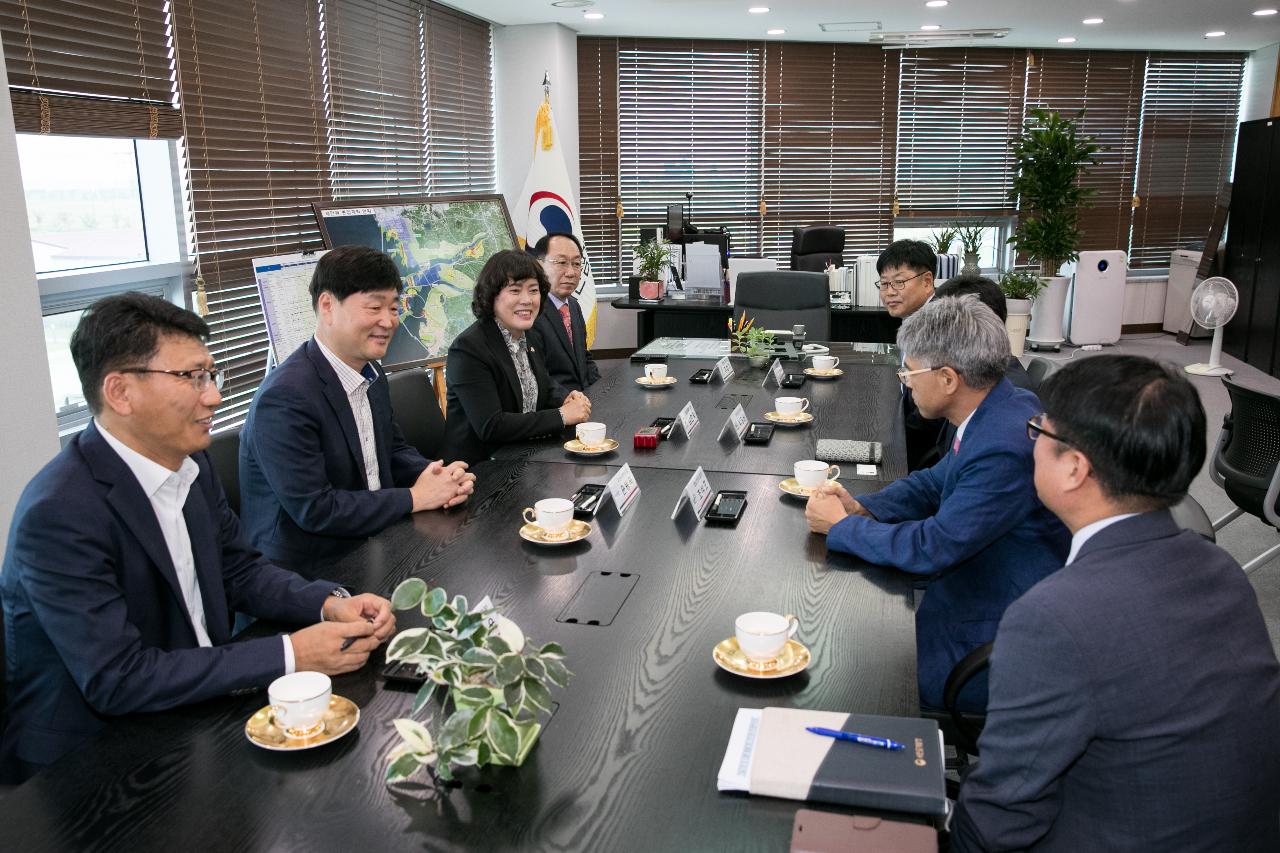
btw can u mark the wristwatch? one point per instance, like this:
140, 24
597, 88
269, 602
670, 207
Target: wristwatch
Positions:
336, 592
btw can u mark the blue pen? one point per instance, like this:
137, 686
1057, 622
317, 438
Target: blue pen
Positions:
877, 742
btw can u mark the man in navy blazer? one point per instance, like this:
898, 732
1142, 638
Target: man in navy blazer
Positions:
971, 522
323, 464
566, 355
124, 562
1135, 695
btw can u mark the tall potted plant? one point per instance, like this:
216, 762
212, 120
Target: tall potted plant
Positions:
1049, 156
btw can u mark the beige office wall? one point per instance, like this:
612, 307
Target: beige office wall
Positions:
28, 427
1260, 83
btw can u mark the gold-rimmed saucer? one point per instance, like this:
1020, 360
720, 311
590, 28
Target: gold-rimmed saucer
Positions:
833, 373
792, 487
793, 658
664, 382
577, 531
574, 445
789, 420
340, 719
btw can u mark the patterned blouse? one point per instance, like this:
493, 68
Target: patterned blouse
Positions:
519, 350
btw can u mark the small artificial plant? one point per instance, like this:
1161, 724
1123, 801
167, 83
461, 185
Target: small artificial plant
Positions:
1021, 284
489, 679
654, 257
942, 240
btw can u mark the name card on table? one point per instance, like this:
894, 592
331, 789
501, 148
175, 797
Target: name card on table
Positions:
688, 419
776, 373
697, 492
737, 422
725, 368
624, 489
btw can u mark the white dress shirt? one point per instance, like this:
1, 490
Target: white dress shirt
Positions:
1084, 534
167, 490
356, 384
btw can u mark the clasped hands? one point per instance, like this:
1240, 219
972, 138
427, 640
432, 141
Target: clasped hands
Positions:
441, 485
829, 504
366, 620
576, 409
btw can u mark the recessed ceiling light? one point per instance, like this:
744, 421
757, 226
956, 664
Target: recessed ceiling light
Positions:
1091, 21
759, 10
593, 16
936, 4
1067, 40
1262, 13
775, 32
930, 27
1213, 34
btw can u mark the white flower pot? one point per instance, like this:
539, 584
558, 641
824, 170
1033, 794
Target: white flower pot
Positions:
1046, 314
1019, 319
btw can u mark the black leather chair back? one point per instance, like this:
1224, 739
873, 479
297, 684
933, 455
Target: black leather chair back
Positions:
1248, 458
779, 300
814, 246
224, 453
1038, 369
413, 399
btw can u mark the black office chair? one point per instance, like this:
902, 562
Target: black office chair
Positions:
413, 399
224, 453
1244, 461
815, 246
1038, 369
779, 300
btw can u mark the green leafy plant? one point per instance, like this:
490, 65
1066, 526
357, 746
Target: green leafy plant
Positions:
489, 680
971, 236
1049, 156
654, 257
759, 342
1021, 284
941, 240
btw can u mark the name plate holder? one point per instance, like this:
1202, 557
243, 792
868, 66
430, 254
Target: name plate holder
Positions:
724, 369
737, 423
623, 489
776, 373
696, 493
688, 419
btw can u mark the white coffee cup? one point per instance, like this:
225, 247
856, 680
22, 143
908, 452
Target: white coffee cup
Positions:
299, 702
551, 514
591, 434
790, 405
825, 362
812, 473
762, 635
655, 372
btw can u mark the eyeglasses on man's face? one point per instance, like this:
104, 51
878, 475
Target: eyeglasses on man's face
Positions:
898, 283
200, 377
561, 264
1035, 429
904, 374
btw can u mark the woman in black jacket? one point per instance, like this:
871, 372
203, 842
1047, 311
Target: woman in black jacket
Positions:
499, 388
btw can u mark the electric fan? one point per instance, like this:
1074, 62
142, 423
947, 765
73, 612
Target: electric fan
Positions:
1213, 304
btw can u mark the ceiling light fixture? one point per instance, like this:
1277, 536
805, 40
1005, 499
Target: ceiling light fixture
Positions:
936, 4
1091, 21
593, 16
1067, 40
930, 27
1262, 13
774, 32
759, 10
1213, 34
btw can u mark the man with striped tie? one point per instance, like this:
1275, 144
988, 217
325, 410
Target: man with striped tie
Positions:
561, 326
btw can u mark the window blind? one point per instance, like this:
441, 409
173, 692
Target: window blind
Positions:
250, 78
89, 67
598, 194
689, 120
1105, 89
957, 109
375, 89
459, 108
829, 136
1190, 107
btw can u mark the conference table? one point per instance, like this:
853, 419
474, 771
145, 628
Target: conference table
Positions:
628, 758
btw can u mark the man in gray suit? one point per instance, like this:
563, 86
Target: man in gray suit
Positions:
1134, 697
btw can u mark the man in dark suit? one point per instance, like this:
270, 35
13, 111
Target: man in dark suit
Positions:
124, 562
1135, 695
323, 464
971, 522
992, 297
560, 328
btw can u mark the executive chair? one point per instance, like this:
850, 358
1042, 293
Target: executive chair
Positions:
815, 246
224, 453
779, 300
1244, 461
413, 399
1038, 369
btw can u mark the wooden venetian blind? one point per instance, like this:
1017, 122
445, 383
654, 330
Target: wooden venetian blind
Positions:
598, 196
1105, 88
251, 79
830, 113
377, 135
89, 67
459, 109
1190, 107
957, 109
689, 121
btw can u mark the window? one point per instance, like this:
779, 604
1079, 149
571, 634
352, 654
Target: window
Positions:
992, 257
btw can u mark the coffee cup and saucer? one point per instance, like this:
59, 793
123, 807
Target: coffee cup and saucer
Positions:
550, 521
655, 376
762, 647
824, 367
790, 411
809, 475
303, 714
590, 441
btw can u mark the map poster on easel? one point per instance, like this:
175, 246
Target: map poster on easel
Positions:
286, 303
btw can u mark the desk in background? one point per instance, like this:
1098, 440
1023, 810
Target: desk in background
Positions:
697, 319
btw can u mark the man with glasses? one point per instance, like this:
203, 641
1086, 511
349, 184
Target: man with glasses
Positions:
124, 562
971, 523
1134, 694
560, 326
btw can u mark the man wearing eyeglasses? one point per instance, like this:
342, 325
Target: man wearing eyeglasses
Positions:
970, 523
124, 562
560, 326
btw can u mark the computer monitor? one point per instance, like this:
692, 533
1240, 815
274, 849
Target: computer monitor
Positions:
674, 231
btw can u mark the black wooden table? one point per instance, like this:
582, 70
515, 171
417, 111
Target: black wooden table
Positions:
629, 759
698, 318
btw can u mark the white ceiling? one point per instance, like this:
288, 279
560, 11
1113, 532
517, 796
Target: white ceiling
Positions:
1128, 24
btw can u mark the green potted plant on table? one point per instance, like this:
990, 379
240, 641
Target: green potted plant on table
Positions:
971, 239
756, 343
654, 258
1049, 156
490, 682
1020, 289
